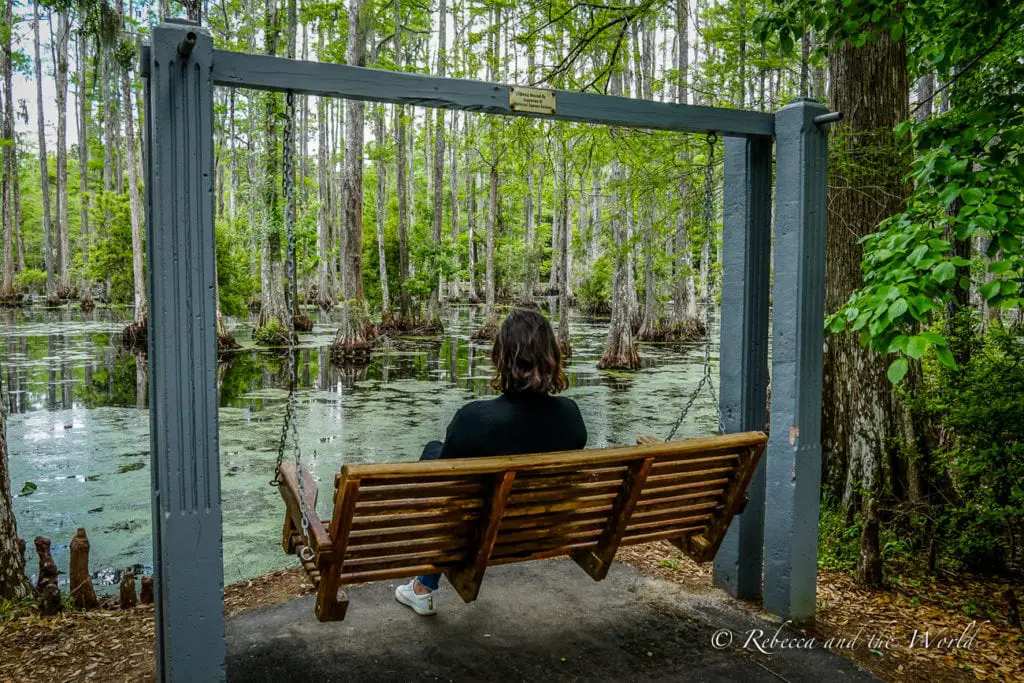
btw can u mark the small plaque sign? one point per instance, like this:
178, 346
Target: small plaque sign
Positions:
536, 100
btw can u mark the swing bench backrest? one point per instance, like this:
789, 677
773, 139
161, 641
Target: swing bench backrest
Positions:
457, 517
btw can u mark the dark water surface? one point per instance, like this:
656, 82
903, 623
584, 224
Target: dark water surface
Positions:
78, 427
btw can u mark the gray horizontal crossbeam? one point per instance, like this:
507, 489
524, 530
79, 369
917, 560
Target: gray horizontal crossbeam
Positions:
262, 72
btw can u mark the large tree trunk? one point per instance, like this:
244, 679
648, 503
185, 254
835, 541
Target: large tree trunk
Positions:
619, 352
649, 320
135, 201
405, 316
563, 288
350, 340
474, 295
437, 171
490, 329
529, 267
684, 297
13, 584
85, 294
325, 290
381, 169
453, 194
10, 161
63, 264
862, 414
273, 325
44, 174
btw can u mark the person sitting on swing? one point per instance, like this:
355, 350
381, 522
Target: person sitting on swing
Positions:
526, 418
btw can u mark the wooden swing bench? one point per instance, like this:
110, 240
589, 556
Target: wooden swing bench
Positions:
457, 517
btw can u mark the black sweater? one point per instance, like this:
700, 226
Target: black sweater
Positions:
513, 424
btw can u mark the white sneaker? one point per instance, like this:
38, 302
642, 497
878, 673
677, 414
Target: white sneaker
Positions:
420, 604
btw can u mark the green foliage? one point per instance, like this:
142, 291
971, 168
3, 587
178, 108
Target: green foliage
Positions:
595, 292
236, 280
980, 410
967, 175
272, 334
110, 254
30, 280
838, 542
15, 609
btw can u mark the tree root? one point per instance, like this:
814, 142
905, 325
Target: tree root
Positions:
135, 335
226, 342
354, 352
690, 329
619, 361
565, 347
86, 303
530, 304
409, 328
12, 300
486, 333
302, 323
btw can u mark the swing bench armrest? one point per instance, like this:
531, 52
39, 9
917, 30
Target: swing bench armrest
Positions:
319, 538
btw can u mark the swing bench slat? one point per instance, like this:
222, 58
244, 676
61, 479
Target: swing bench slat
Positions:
457, 517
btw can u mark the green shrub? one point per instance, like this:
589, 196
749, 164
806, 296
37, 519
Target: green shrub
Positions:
30, 280
980, 409
594, 295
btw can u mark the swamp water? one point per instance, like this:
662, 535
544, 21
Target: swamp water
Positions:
78, 423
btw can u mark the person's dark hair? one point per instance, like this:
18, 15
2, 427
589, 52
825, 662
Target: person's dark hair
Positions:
526, 356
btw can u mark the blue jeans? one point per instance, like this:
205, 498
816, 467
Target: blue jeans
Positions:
432, 451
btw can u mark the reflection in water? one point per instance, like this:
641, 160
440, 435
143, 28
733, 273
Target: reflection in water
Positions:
79, 430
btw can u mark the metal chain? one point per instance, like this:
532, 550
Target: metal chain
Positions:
290, 294
708, 219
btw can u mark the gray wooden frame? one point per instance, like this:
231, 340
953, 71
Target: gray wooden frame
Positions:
182, 68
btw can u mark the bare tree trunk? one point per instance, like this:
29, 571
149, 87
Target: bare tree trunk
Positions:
273, 326
563, 289
649, 321
13, 584
381, 169
85, 295
232, 159
44, 174
453, 193
325, 291
474, 296
437, 172
10, 170
135, 200
528, 280
862, 418
63, 265
350, 340
619, 352
925, 93
685, 296
490, 328
402, 188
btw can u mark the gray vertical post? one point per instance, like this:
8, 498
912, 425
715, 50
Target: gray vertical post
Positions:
743, 367
187, 556
794, 447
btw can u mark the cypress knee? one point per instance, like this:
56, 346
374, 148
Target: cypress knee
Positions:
47, 567
49, 599
82, 593
146, 596
128, 596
